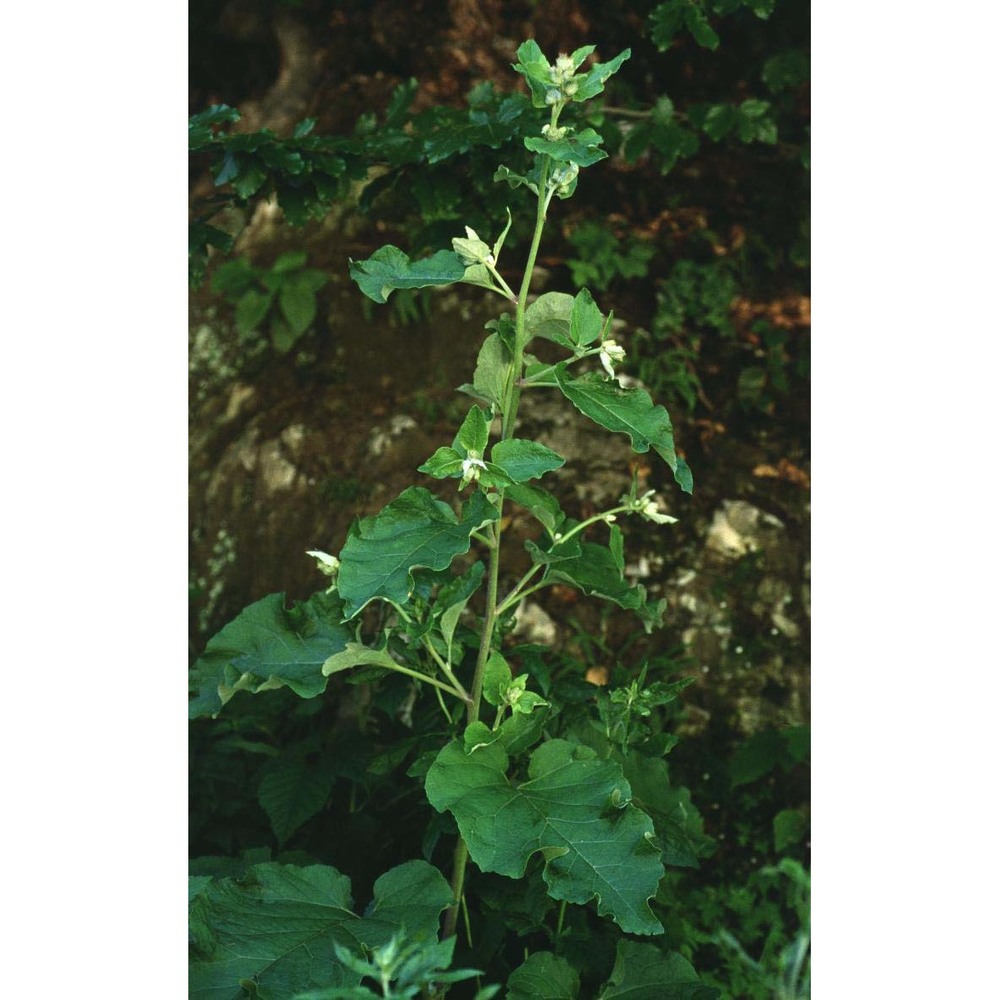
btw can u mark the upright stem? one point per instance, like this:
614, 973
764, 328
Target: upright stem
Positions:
511, 400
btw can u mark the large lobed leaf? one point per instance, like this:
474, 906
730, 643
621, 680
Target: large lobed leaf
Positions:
269, 646
573, 808
278, 926
416, 529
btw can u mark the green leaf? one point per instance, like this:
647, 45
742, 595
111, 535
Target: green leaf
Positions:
549, 317
356, 654
474, 433
416, 529
452, 599
283, 337
251, 310
279, 926
678, 823
523, 460
581, 148
514, 180
585, 321
200, 126
573, 808
496, 679
298, 305
535, 69
492, 367
292, 790
303, 128
720, 120
290, 261
443, 464
626, 411
389, 268
543, 976
544, 507
598, 573
697, 23
593, 83
268, 646
544, 555
665, 21
789, 829
643, 972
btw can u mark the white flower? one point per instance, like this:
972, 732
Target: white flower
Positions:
471, 467
611, 354
328, 565
646, 505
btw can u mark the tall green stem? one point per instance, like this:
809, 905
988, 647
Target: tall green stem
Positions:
511, 400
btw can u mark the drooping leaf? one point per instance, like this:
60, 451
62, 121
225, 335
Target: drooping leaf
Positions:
416, 529
627, 411
543, 506
357, 654
268, 646
544, 976
643, 972
292, 790
598, 573
523, 460
573, 808
278, 927
546, 554
389, 268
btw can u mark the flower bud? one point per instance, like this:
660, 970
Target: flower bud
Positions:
611, 354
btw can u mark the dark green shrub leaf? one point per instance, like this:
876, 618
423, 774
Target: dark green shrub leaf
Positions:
298, 306
789, 829
697, 23
544, 976
251, 310
643, 972
292, 790
593, 849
